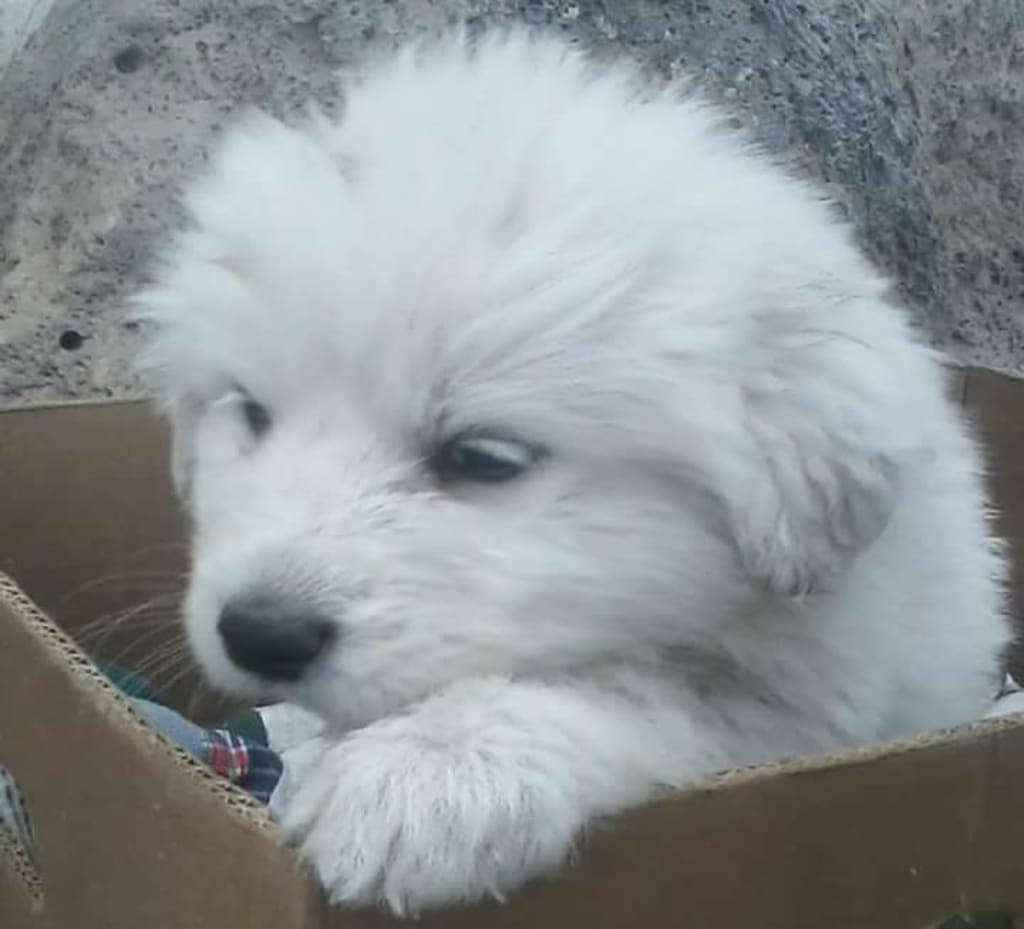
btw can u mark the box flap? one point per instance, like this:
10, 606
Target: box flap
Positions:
131, 833
91, 530
129, 830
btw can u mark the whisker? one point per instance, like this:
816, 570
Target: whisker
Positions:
152, 609
184, 671
141, 613
165, 671
161, 663
134, 646
125, 581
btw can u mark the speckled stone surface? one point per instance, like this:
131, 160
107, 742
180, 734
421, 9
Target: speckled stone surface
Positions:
911, 113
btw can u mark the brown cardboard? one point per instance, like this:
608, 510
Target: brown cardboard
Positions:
996, 404
131, 833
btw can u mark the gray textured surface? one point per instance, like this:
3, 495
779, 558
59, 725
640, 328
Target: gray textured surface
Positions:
912, 113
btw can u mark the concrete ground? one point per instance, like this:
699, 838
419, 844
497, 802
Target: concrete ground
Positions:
911, 112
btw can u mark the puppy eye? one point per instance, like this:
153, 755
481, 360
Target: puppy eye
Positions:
257, 417
481, 459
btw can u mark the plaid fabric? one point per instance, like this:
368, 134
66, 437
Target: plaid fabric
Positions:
13, 816
255, 768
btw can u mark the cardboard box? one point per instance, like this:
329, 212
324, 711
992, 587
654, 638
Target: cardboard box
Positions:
131, 834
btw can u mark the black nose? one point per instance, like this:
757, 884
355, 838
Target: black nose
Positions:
276, 637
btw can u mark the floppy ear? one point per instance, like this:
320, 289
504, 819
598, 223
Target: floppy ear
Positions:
181, 419
830, 445
158, 363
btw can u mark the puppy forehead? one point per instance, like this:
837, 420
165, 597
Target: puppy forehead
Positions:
442, 356
385, 305
473, 237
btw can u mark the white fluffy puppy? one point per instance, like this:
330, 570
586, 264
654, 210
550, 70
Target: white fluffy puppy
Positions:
557, 449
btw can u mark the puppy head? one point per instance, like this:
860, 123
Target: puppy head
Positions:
519, 367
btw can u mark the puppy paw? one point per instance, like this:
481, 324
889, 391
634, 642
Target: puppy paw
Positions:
393, 816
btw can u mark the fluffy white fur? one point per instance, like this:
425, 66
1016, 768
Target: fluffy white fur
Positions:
760, 527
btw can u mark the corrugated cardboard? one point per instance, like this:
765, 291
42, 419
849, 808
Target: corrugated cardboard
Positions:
129, 832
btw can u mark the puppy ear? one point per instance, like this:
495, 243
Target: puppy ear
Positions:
831, 448
162, 364
181, 417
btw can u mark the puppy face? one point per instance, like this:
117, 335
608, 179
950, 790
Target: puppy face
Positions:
470, 384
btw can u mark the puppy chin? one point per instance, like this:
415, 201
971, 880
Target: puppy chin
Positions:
318, 693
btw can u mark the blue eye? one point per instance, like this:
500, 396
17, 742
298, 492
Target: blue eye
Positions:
479, 459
